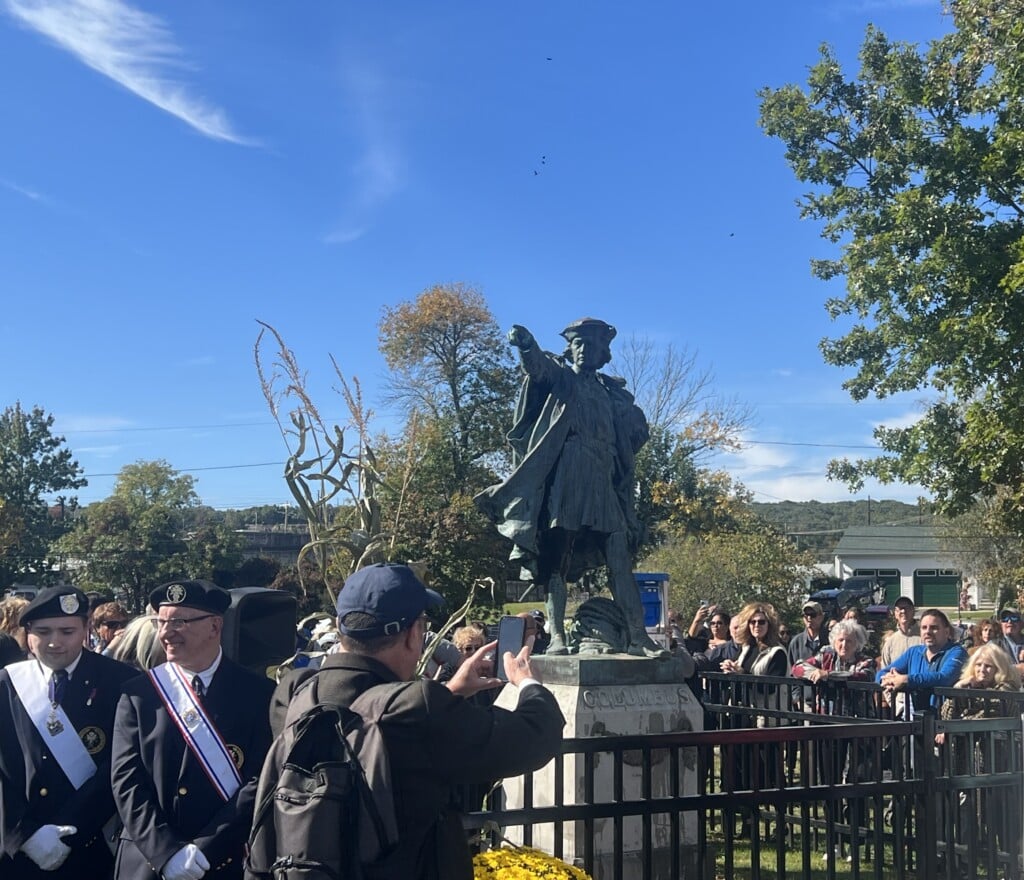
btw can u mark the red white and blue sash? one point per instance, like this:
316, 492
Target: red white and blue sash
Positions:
196, 728
54, 726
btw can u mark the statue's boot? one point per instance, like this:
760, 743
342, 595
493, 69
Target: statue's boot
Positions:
642, 645
557, 646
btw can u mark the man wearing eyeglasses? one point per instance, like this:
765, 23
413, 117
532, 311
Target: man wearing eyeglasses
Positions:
1012, 640
189, 743
56, 722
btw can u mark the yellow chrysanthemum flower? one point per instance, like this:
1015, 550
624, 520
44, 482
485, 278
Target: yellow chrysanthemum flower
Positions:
523, 863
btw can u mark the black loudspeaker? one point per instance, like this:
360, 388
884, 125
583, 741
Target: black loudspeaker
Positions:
259, 627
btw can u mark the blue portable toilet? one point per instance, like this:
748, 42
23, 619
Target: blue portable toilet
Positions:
653, 587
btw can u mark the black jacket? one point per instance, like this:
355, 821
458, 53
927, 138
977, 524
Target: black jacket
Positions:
162, 792
438, 741
35, 791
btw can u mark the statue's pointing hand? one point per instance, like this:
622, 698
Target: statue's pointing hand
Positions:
520, 337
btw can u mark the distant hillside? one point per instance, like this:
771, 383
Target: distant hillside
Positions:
818, 525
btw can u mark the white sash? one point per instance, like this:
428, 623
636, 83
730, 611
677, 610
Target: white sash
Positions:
196, 728
54, 726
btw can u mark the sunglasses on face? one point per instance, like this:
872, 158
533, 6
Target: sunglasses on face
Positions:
759, 622
810, 614
471, 649
114, 624
1010, 618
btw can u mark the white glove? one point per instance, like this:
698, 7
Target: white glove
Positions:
46, 848
188, 863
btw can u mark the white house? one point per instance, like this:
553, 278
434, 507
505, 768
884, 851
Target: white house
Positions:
910, 560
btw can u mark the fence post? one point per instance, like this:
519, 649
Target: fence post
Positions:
926, 826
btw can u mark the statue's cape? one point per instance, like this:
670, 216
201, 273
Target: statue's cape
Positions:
537, 437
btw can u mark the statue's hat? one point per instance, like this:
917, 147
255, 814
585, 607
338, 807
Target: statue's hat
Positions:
589, 325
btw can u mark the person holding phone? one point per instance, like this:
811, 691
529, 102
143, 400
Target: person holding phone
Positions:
438, 741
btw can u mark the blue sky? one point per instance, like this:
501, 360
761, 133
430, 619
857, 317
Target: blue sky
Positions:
172, 172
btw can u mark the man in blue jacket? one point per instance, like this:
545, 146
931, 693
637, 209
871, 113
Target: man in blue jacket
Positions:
936, 662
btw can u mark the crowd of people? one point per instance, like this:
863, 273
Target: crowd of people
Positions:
130, 748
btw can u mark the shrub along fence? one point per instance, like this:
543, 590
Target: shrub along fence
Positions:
845, 789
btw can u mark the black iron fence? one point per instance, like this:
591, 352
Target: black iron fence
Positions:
790, 780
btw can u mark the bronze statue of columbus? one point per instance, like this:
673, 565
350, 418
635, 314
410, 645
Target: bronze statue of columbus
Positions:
568, 505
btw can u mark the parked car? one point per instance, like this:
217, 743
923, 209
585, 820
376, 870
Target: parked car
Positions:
21, 591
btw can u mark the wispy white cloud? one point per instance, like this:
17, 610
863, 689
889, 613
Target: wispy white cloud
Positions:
90, 424
99, 451
135, 49
24, 191
379, 171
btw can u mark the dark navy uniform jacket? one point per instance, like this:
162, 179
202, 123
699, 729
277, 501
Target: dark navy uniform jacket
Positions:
35, 791
163, 794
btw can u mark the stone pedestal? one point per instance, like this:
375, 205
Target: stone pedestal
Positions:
610, 695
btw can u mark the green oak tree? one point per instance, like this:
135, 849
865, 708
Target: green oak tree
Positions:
35, 466
916, 171
144, 533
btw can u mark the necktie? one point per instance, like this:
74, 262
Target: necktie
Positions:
197, 686
58, 686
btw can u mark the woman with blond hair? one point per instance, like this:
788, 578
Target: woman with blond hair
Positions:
987, 669
756, 631
137, 645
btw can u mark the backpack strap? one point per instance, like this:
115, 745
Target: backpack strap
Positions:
364, 738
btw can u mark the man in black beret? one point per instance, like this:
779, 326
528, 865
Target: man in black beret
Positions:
56, 725
189, 742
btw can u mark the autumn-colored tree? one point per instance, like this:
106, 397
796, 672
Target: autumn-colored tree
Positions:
452, 367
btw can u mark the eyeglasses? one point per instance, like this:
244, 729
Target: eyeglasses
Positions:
1010, 618
471, 649
717, 623
810, 614
114, 624
758, 621
177, 623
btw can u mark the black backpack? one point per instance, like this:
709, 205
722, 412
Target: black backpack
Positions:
324, 805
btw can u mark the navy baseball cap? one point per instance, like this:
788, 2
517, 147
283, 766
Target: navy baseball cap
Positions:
56, 602
390, 593
203, 595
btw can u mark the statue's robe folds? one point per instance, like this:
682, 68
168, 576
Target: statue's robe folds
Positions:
574, 444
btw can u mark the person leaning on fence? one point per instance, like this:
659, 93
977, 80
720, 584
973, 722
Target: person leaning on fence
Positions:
843, 659
436, 739
988, 669
936, 662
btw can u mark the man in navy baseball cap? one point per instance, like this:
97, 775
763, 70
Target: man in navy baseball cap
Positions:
384, 599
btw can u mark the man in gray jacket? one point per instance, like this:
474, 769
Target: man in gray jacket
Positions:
437, 740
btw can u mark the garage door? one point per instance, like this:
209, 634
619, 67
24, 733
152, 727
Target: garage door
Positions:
936, 588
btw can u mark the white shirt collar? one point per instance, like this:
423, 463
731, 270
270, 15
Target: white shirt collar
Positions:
205, 675
46, 672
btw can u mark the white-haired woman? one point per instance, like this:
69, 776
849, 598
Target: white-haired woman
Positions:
843, 657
